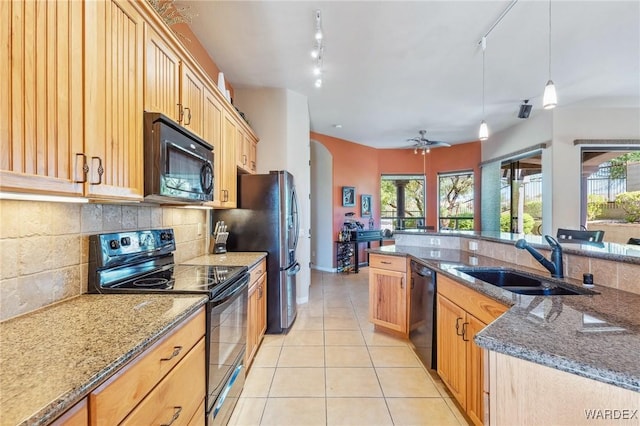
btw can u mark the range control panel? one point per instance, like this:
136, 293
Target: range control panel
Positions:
112, 248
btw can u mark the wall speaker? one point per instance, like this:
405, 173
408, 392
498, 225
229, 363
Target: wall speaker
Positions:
525, 110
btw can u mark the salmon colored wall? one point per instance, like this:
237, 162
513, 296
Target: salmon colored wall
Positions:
353, 165
199, 53
361, 166
461, 157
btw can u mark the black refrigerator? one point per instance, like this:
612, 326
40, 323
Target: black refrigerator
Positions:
267, 220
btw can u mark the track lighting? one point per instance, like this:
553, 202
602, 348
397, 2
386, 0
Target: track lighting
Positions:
317, 53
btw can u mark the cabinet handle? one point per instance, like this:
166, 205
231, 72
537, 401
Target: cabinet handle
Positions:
100, 170
84, 167
176, 414
244, 159
180, 113
253, 165
464, 331
385, 262
458, 327
226, 195
412, 283
401, 282
260, 292
188, 115
175, 353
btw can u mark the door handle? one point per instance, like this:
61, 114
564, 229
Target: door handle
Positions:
83, 167
188, 115
180, 113
100, 169
464, 331
458, 333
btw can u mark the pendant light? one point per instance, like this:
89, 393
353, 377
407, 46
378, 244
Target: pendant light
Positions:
550, 98
483, 133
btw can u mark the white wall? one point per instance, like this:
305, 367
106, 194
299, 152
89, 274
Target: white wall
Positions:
280, 118
321, 215
561, 159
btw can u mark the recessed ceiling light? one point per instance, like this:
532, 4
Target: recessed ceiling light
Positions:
338, 126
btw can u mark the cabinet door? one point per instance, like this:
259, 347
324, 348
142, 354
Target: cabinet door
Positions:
41, 74
192, 99
476, 397
228, 175
262, 306
114, 100
212, 133
388, 299
253, 156
162, 76
252, 323
78, 415
241, 151
451, 348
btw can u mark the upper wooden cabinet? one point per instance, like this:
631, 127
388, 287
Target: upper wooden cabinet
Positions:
162, 76
41, 106
191, 100
114, 54
227, 186
71, 127
246, 150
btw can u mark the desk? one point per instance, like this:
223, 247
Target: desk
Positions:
355, 244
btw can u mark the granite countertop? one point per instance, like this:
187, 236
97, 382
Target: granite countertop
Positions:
594, 336
247, 259
52, 358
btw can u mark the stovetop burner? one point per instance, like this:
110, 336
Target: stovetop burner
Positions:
151, 283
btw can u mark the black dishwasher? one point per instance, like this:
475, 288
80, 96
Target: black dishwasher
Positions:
422, 326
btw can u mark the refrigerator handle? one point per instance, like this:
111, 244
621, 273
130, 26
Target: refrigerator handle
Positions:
294, 269
296, 218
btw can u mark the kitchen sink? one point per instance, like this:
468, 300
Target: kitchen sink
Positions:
522, 283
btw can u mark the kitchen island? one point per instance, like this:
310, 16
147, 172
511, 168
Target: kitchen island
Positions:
596, 337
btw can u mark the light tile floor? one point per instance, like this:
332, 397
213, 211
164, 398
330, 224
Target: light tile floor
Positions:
333, 369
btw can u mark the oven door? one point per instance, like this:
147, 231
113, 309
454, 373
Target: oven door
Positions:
227, 337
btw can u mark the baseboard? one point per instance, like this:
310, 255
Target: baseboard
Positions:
323, 269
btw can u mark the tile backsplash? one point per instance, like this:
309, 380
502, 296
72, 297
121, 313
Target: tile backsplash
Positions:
44, 246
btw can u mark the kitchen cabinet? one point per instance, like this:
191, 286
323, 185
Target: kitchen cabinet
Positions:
228, 180
173, 368
78, 415
114, 99
162, 76
257, 310
246, 150
41, 74
192, 99
461, 314
526, 393
388, 293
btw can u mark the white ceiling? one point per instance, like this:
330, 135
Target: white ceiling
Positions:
394, 67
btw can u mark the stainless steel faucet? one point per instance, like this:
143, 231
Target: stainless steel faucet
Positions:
554, 266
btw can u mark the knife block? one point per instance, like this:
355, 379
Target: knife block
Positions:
219, 242
219, 248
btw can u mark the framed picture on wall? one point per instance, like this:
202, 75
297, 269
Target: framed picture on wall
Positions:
348, 196
365, 205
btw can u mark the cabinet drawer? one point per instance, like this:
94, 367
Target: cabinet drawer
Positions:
115, 398
78, 415
257, 271
392, 263
177, 397
478, 305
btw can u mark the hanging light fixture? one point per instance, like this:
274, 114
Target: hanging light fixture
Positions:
550, 97
483, 132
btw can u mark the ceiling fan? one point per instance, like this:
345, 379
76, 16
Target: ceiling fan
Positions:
424, 144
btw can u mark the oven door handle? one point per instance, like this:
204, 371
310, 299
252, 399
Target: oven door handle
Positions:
225, 392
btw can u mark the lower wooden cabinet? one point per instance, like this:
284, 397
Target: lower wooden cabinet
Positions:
388, 293
257, 310
78, 415
157, 381
461, 314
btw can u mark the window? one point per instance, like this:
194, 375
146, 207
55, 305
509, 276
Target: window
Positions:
402, 201
455, 195
610, 181
521, 195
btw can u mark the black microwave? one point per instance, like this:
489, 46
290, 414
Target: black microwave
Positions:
178, 165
